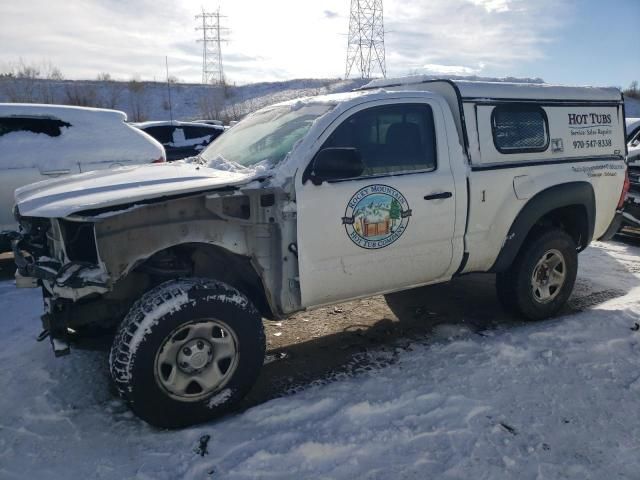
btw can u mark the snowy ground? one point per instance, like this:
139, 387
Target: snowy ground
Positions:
549, 400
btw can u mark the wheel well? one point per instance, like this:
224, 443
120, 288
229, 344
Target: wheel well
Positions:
573, 219
570, 206
208, 261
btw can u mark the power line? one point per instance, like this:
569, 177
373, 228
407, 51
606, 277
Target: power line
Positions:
365, 47
212, 31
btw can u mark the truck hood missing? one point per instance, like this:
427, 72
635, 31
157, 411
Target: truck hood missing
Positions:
106, 188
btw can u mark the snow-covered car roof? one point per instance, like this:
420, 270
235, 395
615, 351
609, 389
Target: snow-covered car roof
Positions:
87, 135
175, 123
508, 90
61, 112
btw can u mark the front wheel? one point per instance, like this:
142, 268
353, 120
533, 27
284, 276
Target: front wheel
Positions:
541, 278
187, 351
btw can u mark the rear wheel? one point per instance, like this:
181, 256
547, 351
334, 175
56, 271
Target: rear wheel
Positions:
541, 279
187, 351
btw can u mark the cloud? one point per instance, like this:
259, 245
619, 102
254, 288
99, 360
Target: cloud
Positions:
450, 69
498, 34
274, 40
493, 5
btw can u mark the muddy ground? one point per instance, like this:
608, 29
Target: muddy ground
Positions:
315, 346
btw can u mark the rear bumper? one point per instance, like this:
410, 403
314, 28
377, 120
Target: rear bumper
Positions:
614, 227
631, 213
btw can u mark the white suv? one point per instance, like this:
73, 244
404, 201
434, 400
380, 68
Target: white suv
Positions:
39, 142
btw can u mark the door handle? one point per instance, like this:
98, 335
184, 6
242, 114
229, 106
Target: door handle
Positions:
437, 196
56, 172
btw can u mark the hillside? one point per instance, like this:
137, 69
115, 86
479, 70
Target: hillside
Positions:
150, 100
632, 107
189, 101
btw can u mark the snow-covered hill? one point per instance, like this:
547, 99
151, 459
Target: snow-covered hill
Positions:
150, 100
545, 400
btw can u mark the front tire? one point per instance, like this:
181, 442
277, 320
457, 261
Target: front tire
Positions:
187, 351
541, 278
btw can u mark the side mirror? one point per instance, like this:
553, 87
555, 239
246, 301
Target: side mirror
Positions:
336, 164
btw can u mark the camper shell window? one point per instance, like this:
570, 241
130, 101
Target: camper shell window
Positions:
519, 128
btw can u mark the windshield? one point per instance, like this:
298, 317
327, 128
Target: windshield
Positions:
266, 136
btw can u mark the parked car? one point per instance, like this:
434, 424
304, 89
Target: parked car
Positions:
315, 202
631, 214
633, 139
39, 142
181, 139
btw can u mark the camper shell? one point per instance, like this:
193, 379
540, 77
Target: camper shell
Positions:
572, 114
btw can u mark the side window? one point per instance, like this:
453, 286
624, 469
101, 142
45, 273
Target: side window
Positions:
191, 133
161, 133
48, 126
390, 139
635, 140
519, 129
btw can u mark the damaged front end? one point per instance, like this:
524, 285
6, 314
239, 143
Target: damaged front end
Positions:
61, 257
92, 265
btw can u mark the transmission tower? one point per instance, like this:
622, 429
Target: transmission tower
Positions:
365, 48
212, 31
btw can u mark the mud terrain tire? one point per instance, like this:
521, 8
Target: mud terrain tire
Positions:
207, 319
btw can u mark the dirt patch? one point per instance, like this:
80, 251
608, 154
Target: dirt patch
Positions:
319, 345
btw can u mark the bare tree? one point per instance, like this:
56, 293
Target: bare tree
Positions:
51, 76
29, 83
51, 72
22, 83
212, 103
81, 94
110, 92
633, 91
137, 100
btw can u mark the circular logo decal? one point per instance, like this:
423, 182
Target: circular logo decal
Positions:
376, 216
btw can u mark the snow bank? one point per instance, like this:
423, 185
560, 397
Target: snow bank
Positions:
545, 400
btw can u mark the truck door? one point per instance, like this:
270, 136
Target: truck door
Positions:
389, 227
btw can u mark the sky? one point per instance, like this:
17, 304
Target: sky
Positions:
562, 41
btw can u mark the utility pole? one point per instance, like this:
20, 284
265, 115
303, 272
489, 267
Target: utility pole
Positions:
212, 38
365, 47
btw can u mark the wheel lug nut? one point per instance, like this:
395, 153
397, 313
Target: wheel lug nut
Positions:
200, 345
186, 351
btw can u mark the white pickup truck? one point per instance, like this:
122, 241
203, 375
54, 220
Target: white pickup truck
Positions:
313, 202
